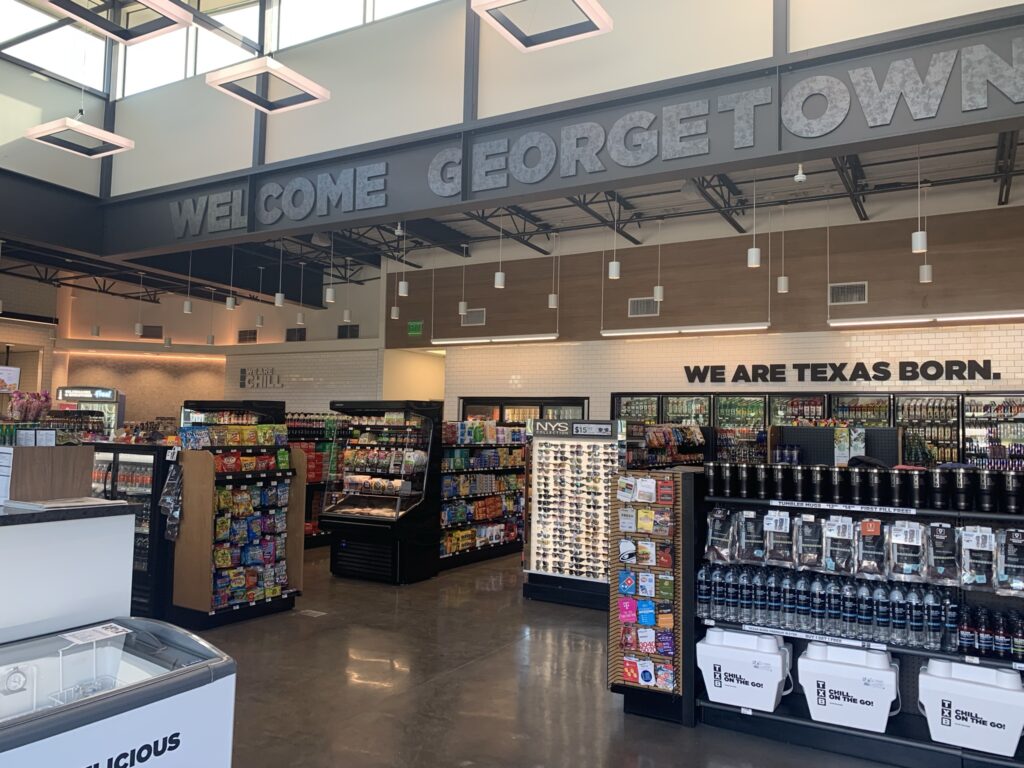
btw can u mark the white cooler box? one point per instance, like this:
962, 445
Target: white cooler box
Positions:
848, 686
972, 707
744, 669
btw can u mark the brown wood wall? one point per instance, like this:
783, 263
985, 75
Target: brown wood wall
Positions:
977, 258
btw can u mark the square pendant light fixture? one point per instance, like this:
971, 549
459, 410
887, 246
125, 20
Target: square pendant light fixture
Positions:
230, 80
531, 25
171, 16
79, 138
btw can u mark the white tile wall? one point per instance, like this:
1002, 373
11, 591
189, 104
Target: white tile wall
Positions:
312, 379
38, 336
598, 368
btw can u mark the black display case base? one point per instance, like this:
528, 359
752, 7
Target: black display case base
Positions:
314, 540
392, 553
199, 621
566, 591
660, 706
480, 554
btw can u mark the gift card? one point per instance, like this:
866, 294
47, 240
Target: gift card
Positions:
645, 553
627, 551
664, 556
626, 489
645, 637
662, 522
645, 668
630, 671
628, 638
665, 677
646, 490
645, 584
645, 520
666, 616
627, 583
666, 587
666, 492
644, 612
627, 520
665, 642
628, 610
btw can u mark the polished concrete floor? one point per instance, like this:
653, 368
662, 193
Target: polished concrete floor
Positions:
458, 671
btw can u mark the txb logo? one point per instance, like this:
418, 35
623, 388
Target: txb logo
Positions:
143, 754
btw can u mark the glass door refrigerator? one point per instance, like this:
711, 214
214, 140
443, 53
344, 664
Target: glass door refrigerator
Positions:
516, 411
931, 428
136, 474
636, 407
862, 410
117, 694
796, 409
740, 428
107, 400
686, 409
994, 430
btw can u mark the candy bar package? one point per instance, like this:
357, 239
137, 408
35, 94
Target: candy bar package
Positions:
281, 521
943, 567
224, 500
870, 550
907, 551
1011, 561
281, 543
838, 546
221, 599
248, 463
218, 436
252, 555
269, 545
778, 536
239, 535
809, 543
721, 536
750, 544
977, 557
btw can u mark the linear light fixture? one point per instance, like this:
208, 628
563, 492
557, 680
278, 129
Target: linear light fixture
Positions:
687, 329
496, 339
229, 80
50, 133
597, 22
850, 322
999, 314
171, 17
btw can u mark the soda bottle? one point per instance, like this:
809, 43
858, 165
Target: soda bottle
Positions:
717, 595
789, 620
703, 593
915, 618
732, 595
803, 603
967, 635
1001, 641
774, 588
760, 597
883, 623
849, 603
932, 620
746, 602
865, 612
818, 605
986, 639
897, 616
833, 608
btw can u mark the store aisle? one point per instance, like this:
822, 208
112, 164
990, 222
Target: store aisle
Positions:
456, 671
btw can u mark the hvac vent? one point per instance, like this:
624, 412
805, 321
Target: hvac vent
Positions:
247, 336
348, 331
295, 334
474, 317
644, 307
152, 331
848, 293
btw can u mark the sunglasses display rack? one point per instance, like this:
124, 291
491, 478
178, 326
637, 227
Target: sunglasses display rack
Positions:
573, 467
483, 472
927, 577
382, 502
645, 616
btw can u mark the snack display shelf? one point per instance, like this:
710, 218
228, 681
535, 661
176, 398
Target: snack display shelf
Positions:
866, 509
248, 450
390, 475
471, 523
483, 495
492, 550
285, 595
380, 496
495, 470
485, 445
272, 474
795, 634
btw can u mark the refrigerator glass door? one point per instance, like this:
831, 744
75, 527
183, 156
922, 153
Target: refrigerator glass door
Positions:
994, 431
688, 410
520, 414
55, 671
861, 410
643, 408
486, 412
134, 480
102, 475
740, 412
787, 410
563, 412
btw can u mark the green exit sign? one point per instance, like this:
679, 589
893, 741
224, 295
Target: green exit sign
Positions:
415, 327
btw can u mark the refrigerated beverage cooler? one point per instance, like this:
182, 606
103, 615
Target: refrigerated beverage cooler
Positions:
108, 401
136, 474
862, 410
686, 409
786, 410
519, 410
740, 431
994, 430
931, 428
122, 693
643, 408
740, 411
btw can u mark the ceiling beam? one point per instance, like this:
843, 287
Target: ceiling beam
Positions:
1006, 162
724, 197
614, 223
851, 174
521, 237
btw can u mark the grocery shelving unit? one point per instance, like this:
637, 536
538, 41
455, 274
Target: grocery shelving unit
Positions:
520, 410
663, 408
480, 525
792, 408
382, 507
314, 434
994, 430
658, 446
931, 425
860, 409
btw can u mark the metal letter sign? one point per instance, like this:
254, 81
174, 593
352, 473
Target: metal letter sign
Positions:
775, 117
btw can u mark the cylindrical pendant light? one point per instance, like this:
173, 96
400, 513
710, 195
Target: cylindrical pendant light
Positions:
278, 299
279, 296
463, 304
329, 296
138, 323
1, 300
167, 341
329, 292
138, 329
230, 302
782, 284
463, 308
346, 316
614, 270
259, 316
499, 276
754, 253
403, 288
659, 289
919, 239
186, 308
259, 321
395, 313
94, 331
403, 284
615, 266
210, 340
552, 301
394, 307
924, 273
300, 317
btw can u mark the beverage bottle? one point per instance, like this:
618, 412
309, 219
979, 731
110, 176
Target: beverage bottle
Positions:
760, 597
1017, 641
788, 602
897, 616
803, 602
865, 612
849, 603
717, 595
883, 622
1001, 637
986, 639
818, 605
732, 595
915, 618
774, 588
703, 593
933, 620
967, 635
833, 608
746, 590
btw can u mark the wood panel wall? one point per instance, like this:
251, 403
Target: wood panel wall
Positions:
976, 257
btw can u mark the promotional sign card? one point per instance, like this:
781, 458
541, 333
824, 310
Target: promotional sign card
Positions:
627, 520
645, 584
645, 553
627, 583
646, 640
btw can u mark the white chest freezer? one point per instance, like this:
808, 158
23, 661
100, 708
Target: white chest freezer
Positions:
116, 695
